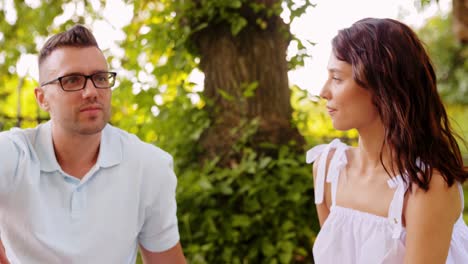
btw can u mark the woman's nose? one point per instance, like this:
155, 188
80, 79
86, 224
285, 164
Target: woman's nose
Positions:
325, 91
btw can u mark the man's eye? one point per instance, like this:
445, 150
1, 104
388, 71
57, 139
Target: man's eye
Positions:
101, 78
71, 79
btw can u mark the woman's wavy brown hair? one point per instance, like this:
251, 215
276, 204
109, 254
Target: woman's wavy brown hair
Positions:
389, 60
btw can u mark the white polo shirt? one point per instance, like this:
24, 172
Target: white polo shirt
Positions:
47, 216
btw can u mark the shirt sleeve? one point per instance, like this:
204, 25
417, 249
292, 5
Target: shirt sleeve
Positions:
9, 159
160, 231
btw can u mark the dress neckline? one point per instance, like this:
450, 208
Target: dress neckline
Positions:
358, 212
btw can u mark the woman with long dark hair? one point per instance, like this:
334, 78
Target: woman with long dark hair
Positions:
397, 197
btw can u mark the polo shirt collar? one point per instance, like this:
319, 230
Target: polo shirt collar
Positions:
110, 151
45, 149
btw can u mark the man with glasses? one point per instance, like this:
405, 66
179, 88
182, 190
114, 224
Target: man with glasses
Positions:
76, 189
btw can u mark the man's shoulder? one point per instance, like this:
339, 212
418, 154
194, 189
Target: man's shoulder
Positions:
20, 137
16, 131
16, 150
143, 150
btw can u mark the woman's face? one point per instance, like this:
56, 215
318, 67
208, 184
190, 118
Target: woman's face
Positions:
349, 105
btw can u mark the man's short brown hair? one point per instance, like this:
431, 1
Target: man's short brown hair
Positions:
77, 36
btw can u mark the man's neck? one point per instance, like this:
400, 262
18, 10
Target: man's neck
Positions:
75, 153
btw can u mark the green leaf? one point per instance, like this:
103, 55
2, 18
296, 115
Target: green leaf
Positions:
225, 95
268, 249
264, 162
249, 89
241, 221
236, 4
237, 24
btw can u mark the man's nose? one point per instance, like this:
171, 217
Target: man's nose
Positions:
90, 90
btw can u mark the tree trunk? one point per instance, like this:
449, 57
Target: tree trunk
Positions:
460, 20
254, 58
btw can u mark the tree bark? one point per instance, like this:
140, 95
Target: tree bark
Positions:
231, 63
460, 20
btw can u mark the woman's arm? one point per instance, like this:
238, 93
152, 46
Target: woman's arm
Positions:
430, 217
322, 209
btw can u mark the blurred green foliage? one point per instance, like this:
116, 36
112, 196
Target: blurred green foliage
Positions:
257, 211
450, 58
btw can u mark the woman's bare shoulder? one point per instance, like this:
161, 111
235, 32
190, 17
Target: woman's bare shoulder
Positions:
440, 199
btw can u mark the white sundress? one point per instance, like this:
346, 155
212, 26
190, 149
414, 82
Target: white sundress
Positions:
350, 236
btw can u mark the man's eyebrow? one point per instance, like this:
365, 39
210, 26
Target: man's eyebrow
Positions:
81, 73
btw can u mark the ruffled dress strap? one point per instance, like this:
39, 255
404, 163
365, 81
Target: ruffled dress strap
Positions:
395, 211
338, 161
462, 197
460, 188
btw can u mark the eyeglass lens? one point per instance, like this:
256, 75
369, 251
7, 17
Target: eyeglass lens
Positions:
77, 82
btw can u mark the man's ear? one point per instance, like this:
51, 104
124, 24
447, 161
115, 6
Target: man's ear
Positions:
40, 99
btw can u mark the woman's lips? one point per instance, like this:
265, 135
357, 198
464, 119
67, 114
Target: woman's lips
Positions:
331, 110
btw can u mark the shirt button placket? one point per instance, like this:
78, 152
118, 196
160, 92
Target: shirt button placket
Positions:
77, 203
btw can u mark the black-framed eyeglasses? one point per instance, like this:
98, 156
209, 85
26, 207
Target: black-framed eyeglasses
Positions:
76, 82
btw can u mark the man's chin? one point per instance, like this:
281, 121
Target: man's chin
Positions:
91, 129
